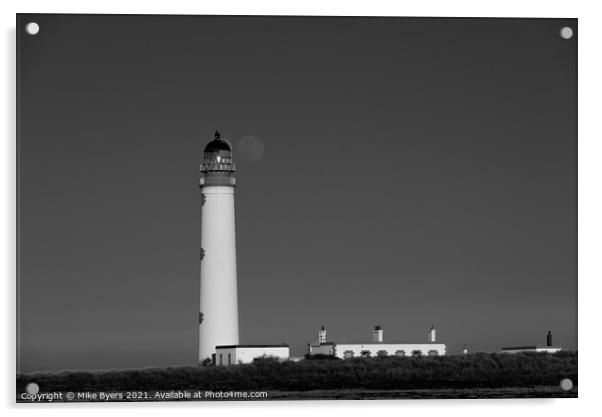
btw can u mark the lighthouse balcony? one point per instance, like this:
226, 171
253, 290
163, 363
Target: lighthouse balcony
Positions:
216, 166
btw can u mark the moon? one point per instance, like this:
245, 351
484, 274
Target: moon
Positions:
250, 149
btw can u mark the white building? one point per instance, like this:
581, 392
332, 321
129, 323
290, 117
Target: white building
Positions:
239, 354
377, 347
549, 348
218, 315
518, 349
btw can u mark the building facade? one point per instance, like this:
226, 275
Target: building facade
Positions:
377, 347
519, 349
549, 348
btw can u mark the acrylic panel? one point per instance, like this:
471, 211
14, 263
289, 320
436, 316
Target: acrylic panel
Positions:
288, 207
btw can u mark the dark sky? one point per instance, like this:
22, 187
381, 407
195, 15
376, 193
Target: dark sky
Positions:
416, 171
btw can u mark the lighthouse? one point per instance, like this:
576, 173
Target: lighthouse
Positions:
218, 316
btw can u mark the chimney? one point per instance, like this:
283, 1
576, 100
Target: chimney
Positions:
549, 339
432, 334
377, 335
322, 335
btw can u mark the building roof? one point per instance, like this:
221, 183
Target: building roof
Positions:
392, 342
249, 346
218, 144
519, 348
530, 347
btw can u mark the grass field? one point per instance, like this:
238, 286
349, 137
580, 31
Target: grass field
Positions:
465, 376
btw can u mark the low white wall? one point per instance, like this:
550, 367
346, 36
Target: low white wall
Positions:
248, 354
321, 349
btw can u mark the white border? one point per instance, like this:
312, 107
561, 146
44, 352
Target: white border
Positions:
590, 200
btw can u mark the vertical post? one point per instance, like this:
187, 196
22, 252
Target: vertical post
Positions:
377, 335
322, 335
432, 334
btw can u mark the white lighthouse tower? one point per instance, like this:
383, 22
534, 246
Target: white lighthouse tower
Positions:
218, 317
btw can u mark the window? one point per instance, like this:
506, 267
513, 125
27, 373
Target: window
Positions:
365, 353
433, 353
221, 359
348, 354
229, 359
381, 353
416, 353
400, 353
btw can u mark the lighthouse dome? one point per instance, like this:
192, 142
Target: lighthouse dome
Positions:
218, 144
